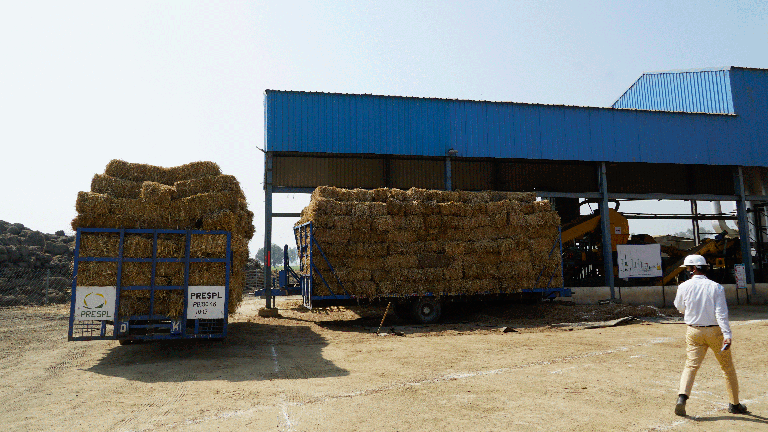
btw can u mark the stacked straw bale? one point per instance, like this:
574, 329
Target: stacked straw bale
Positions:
193, 196
386, 242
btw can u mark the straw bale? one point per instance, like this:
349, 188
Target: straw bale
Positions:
221, 183
543, 206
454, 209
393, 262
455, 271
433, 241
399, 236
499, 219
435, 221
383, 223
96, 273
362, 195
361, 236
351, 275
369, 209
366, 288
168, 176
92, 203
333, 193
380, 276
480, 271
416, 194
380, 195
455, 248
367, 249
484, 246
366, 263
412, 223
99, 245
362, 223
224, 220
431, 246
407, 275
324, 221
157, 192
433, 260
395, 207
118, 188
412, 208
543, 220
398, 194
431, 274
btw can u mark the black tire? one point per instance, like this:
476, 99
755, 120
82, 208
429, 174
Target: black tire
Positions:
427, 310
125, 341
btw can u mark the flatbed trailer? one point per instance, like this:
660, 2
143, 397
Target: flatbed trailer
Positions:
95, 311
424, 308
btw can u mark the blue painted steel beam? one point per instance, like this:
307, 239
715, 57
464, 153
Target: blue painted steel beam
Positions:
744, 237
605, 223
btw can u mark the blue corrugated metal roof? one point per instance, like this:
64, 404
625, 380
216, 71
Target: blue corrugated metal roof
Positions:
693, 91
349, 123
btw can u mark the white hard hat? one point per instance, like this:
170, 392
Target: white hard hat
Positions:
694, 260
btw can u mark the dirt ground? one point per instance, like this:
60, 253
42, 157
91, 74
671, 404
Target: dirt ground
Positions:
329, 371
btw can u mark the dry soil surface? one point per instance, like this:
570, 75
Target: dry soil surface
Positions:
330, 371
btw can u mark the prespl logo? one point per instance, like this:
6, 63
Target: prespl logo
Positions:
94, 301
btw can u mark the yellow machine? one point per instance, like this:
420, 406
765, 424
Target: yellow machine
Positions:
582, 247
583, 256
591, 223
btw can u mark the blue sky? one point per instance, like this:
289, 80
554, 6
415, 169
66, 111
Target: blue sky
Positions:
171, 82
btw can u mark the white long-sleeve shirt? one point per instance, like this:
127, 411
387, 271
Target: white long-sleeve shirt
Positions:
703, 303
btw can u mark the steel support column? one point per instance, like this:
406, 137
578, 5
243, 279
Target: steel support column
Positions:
605, 224
448, 174
744, 237
269, 303
695, 213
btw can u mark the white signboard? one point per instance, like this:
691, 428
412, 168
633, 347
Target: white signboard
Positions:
740, 274
639, 260
95, 303
205, 302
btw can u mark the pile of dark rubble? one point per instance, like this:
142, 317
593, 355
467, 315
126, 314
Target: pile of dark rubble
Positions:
21, 247
35, 268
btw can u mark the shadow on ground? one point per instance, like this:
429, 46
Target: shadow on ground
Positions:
251, 351
468, 317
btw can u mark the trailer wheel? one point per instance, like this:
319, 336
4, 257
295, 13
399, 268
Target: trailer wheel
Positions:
427, 310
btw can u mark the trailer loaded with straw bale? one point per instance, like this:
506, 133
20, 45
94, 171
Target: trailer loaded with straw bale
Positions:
170, 244
420, 247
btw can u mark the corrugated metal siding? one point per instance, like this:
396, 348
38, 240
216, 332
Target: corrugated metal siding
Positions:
707, 91
352, 124
497, 174
641, 178
750, 93
317, 171
425, 174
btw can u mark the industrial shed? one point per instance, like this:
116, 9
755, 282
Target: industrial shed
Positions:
695, 135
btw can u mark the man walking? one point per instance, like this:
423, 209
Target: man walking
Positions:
706, 314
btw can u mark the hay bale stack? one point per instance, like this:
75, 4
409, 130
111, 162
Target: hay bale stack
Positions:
192, 196
390, 241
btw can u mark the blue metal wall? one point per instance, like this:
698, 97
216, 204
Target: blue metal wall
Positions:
699, 91
342, 123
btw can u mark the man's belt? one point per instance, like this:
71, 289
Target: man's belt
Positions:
713, 325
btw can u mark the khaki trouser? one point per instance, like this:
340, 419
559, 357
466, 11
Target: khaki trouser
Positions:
698, 340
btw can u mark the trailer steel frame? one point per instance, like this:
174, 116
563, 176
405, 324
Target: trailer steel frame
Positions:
151, 326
